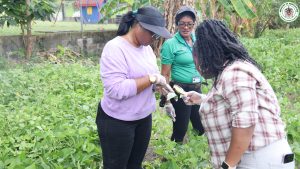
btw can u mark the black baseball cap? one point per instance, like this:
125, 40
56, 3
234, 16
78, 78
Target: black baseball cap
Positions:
151, 19
182, 10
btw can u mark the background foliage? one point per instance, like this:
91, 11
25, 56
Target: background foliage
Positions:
13, 12
245, 17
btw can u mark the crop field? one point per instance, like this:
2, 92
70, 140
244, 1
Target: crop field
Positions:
48, 110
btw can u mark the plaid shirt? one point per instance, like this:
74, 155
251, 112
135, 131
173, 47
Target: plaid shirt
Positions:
242, 98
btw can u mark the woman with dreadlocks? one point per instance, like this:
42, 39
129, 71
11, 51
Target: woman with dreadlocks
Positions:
240, 114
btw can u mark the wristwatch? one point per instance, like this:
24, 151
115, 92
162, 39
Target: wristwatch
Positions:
152, 79
226, 166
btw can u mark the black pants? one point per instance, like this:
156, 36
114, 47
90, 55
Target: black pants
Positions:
123, 143
184, 114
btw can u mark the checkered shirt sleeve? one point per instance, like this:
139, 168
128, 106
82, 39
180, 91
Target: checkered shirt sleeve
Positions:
239, 92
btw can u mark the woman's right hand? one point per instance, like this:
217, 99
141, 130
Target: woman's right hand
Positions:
193, 98
159, 79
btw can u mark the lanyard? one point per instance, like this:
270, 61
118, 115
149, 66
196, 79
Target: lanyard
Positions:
187, 45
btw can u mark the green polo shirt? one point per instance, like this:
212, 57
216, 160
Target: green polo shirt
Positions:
177, 53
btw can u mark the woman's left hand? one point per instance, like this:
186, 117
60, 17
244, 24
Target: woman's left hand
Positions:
169, 109
193, 98
164, 89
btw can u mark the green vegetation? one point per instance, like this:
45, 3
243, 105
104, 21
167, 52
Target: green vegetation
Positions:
40, 27
47, 110
69, 8
278, 53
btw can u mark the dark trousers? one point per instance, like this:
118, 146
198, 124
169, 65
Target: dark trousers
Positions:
123, 143
184, 114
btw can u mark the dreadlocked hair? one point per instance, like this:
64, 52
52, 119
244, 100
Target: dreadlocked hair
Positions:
217, 47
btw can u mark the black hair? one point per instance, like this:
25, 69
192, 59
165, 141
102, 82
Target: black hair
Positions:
126, 23
217, 47
183, 14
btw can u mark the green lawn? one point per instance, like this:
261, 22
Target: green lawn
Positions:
40, 27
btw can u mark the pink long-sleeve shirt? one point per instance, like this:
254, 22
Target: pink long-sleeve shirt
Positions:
120, 64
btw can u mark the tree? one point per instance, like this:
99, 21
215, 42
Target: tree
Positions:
202, 6
28, 28
238, 13
22, 13
115, 7
62, 8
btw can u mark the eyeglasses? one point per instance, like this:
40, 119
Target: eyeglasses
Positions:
155, 36
184, 24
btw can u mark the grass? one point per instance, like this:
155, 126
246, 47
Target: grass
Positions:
40, 27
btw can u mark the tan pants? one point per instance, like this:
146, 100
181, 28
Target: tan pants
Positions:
269, 157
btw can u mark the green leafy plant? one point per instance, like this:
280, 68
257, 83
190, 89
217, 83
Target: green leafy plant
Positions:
117, 7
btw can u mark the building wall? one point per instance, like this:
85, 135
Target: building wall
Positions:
88, 43
90, 14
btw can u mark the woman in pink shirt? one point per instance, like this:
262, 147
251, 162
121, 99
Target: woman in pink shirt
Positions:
129, 72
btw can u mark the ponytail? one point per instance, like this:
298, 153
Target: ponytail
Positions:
126, 23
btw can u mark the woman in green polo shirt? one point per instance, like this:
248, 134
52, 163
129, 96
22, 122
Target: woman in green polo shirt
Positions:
178, 68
